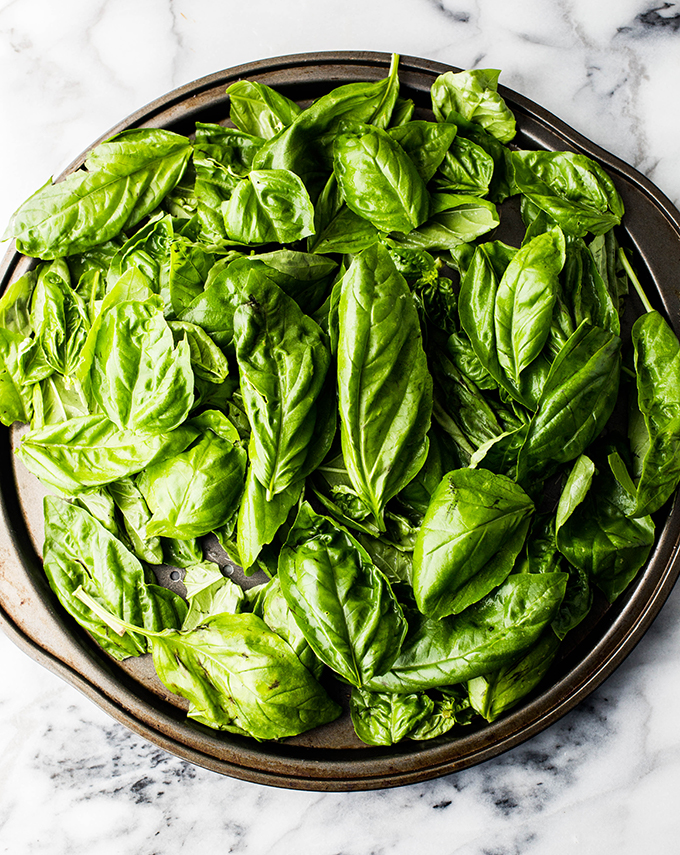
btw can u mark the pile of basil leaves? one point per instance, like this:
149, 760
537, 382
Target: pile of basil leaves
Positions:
287, 332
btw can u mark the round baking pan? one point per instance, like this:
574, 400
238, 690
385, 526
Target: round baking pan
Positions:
331, 757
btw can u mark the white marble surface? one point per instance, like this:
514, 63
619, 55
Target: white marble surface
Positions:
605, 779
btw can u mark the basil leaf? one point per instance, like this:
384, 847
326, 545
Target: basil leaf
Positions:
59, 317
124, 179
199, 489
384, 387
578, 397
343, 605
259, 519
378, 180
493, 694
258, 109
269, 205
136, 514
283, 360
240, 676
657, 364
473, 94
209, 593
524, 302
425, 143
382, 718
571, 188
466, 168
91, 451
471, 534
80, 551
601, 540
15, 398
483, 638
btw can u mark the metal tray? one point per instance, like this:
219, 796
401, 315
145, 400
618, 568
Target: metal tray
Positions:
331, 757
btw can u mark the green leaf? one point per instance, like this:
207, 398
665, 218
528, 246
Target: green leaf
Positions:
524, 302
384, 386
473, 530
269, 205
283, 361
343, 605
473, 94
79, 551
485, 637
91, 451
258, 109
124, 179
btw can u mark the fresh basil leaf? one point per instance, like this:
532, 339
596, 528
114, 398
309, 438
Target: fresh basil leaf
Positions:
199, 489
91, 451
493, 694
141, 380
258, 109
124, 179
577, 400
259, 519
483, 638
378, 180
79, 551
473, 94
426, 143
269, 205
601, 540
382, 718
384, 387
136, 514
524, 302
571, 188
657, 365
283, 361
209, 593
343, 605
466, 168
472, 532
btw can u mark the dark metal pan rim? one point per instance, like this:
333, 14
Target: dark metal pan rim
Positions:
343, 770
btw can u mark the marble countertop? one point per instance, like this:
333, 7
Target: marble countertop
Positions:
603, 779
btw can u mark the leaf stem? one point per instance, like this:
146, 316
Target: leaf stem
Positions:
636, 282
117, 624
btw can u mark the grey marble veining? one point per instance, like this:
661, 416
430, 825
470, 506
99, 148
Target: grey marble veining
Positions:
603, 779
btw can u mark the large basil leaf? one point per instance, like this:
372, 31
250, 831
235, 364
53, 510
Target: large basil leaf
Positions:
15, 304
343, 605
578, 397
79, 551
483, 638
473, 94
269, 205
270, 604
384, 387
524, 302
471, 534
199, 489
599, 538
141, 380
124, 179
587, 291
59, 317
466, 168
453, 219
240, 676
258, 109
493, 694
90, 451
378, 180
283, 360
15, 398
657, 444
571, 188
425, 143
259, 518
305, 146
136, 514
